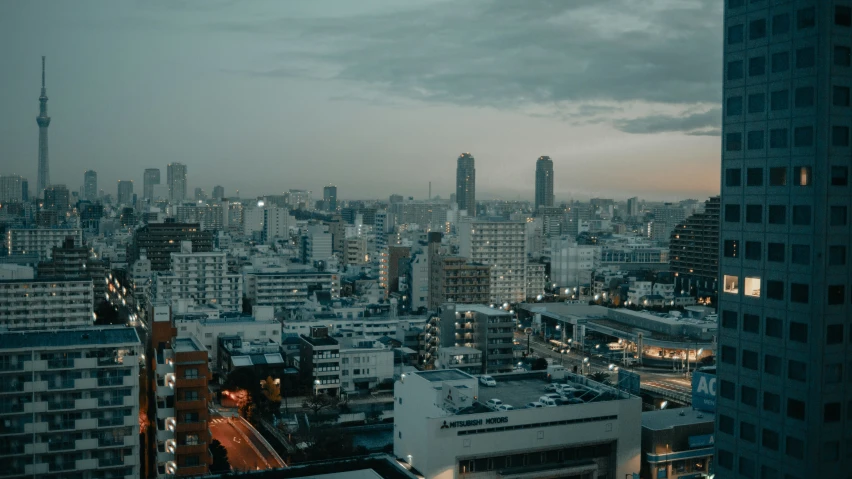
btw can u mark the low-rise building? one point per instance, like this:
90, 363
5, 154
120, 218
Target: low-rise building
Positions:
319, 361
208, 328
462, 358
364, 364
677, 443
475, 326
46, 303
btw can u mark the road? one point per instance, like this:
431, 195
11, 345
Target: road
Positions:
246, 452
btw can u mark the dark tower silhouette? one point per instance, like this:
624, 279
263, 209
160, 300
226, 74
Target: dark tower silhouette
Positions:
43, 122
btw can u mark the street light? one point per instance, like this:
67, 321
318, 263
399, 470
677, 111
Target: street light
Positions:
586, 362
316, 387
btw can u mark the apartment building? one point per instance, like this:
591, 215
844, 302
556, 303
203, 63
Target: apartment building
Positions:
160, 240
501, 245
694, 247
69, 403
283, 289
364, 364
202, 278
454, 280
76, 262
46, 303
39, 240
480, 327
319, 361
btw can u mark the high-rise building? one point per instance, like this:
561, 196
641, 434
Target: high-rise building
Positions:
666, 218
11, 188
125, 192
501, 245
160, 240
43, 122
56, 198
784, 344
200, 195
694, 250
90, 185
176, 178
633, 207
329, 198
543, 182
218, 192
76, 262
45, 303
150, 178
199, 277
466, 184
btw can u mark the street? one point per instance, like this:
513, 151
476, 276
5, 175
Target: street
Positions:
246, 451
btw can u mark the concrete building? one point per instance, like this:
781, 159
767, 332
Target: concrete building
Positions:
218, 193
90, 185
150, 178
445, 428
11, 188
77, 262
463, 358
666, 219
364, 364
71, 403
536, 275
455, 280
395, 255
207, 327
317, 242
40, 241
57, 198
543, 182
15, 271
176, 179
419, 281
285, 289
125, 192
426, 215
677, 443
570, 263
355, 251
475, 326
319, 361
329, 197
633, 207
160, 240
694, 250
466, 184
501, 245
783, 404
201, 278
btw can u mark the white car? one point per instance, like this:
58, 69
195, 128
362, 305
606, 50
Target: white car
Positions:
487, 380
495, 403
553, 387
505, 407
533, 405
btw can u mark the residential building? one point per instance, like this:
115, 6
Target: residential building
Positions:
207, 327
40, 241
543, 182
176, 179
200, 195
475, 326
160, 240
694, 250
317, 243
427, 215
57, 198
218, 193
444, 428
666, 219
11, 188
570, 263
329, 198
77, 262
319, 361
125, 192
784, 335
455, 280
419, 281
150, 177
536, 275
355, 251
466, 184
677, 443
364, 364
633, 207
463, 358
45, 303
71, 403
201, 278
285, 289
90, 185
501, 245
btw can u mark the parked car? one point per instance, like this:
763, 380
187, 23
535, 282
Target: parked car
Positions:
554, 396
531, 405
505, 407
553, 387
494, 402
487, 380
546, 401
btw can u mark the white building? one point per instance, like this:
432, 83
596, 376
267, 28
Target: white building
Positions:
207, 328
364, 364
199, 277
501, 244
16, 271
39, 240
46, 303
570, 263
71, 403
419, 289
318, 243
444, 428
535, 279
282, 288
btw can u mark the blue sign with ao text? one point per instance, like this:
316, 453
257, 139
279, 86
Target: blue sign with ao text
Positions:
704, 391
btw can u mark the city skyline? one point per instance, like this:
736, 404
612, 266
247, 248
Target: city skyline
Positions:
223, 129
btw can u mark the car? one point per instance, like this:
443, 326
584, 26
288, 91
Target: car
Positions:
494, 402
505, 407
546, 401
487, 380
553, 387
532, 405
554, 396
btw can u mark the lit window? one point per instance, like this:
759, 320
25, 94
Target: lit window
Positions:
732, 284
752, 287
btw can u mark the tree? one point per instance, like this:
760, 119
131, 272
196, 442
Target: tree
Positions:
600, 377
539, 364
318, 402
220, 464
271, 389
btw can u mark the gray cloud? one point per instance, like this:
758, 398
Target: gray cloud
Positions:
700, 124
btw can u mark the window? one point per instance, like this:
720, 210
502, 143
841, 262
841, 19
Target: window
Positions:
779, 100
840, 136
754, 213
805, 57
756, 66
735, 34
834, 334
839, 175
190, 396
800, 254
757, 29
726, 389
746, 467
752, 286
755, 140
771, 402
778, 174
801, 215
834, 374
799, 293
726, 424
778, 138
725, 459
795, 409
777, 214
751, 323
773, 327
772, 364
837, 216
732, 213
780, 62
837, 255
840, 95
191, 373
802, 175
831, 451
756, 103
734, 142
749, 360
733, 177
775, 289
795, 447
731, 248
842, 56
803, 97
732, 284
781, 24
769, 438
843, 16
752, 250
754, 177
775, 252
747, 432
798, 332
797, 370
806, 18
729, 319
729, 354
734, 106
735, 70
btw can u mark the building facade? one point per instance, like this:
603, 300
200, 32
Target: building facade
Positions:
90, 185
329, 198
160, 240
77, 262
284, 289
39, 241
11, 188
319, 361
200, 278
125, 192
543, 182
46, 303
150, 177
455, 280
475, 326
466, 184
694, 250
176, 179
501, 245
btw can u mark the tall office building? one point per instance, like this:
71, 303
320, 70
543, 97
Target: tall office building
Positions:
11, 188
218, 192
466, 184
90, 185
176, 178
543, 182
329, 198
56, 197
125, 192
633, 207
783, 406
150, 178
43, 122
694, 249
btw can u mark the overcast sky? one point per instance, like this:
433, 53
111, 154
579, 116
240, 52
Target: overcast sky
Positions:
375, 96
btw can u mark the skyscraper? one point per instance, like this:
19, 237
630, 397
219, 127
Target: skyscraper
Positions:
784, 305
90, 185
56, 197
543, 182
125, 192
466, 184
176, 177
12, 188
150, 178
329, 198
43, 122
218, 192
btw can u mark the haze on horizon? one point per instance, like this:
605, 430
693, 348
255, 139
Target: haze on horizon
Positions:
375, 96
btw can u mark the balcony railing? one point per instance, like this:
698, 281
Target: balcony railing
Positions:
60, 446
111, 421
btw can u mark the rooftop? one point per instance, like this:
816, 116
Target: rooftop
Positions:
481, 309
518, 389
670, 418
101, 336
186, 345
440, 375
456, 350
326, 341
